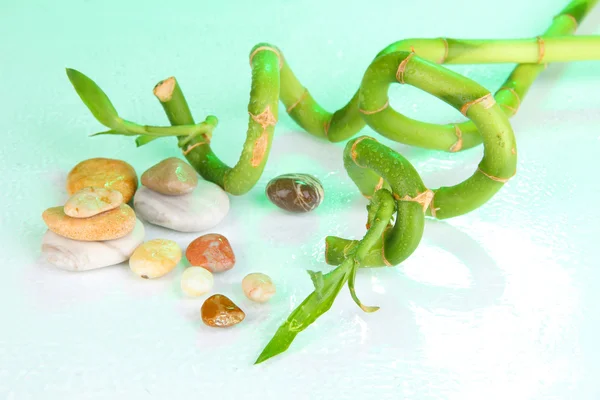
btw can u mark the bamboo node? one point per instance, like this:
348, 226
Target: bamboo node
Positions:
326, 126
424, 198
443, 59
402, 67
572, 18
192, 147
265, 118
353, 152
433, 209
541, 49
492, 177
267, 48
459, 142
302, 97
383, 107
486, 101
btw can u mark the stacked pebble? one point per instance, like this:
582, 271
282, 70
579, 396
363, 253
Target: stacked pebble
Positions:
94, 228
172, 197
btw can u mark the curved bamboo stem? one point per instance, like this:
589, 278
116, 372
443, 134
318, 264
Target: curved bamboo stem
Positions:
381, 174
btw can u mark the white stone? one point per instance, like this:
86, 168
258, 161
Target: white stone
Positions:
196, 281
197, 211
75, 255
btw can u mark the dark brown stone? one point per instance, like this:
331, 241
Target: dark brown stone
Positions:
218, 311
297, 193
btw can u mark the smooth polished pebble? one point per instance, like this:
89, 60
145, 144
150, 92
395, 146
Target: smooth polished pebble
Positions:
219, 311
155, 258
196, 281
105, 173
92, 201
197, 211
171, 176
109, 225
258, 287
76, 255
211, 251
298, 193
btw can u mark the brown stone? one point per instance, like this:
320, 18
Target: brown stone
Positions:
109, 225
219, 311
211, 251
296, 193
105, 173
171, 176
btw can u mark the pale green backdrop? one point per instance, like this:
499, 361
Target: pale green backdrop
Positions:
501, 303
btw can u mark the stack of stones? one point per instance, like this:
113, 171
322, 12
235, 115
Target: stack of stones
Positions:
95, 228
174, 198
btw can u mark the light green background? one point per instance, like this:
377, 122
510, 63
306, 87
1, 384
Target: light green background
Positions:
498, 304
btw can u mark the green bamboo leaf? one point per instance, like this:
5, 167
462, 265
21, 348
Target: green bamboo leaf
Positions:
144, 139
317, 279
94, 98
351, 280
315, 305
109, 132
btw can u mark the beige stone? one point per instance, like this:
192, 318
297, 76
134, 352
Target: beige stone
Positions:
155, 258
196, 281
92, 201
258, 287
171, 176
105, 173
109, 225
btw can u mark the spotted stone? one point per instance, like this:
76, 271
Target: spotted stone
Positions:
219, 311
296, 193
105, 173
109, 225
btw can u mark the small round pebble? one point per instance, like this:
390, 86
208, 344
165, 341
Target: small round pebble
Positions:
196, 281
92, 201
105, 173
171, 176
258, 287
219, 311
155, 258
297, 193
109, 225
211, 251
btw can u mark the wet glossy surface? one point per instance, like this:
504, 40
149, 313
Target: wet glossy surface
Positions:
499, 304
220, 312
297, 193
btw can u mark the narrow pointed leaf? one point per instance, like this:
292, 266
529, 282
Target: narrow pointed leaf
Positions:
94, 98
315, 305
144, 139
351, 280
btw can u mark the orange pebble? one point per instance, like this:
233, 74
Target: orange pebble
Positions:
211, 251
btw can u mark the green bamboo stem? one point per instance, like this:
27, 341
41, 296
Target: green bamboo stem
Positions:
384, 176
263, 113
347, 121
